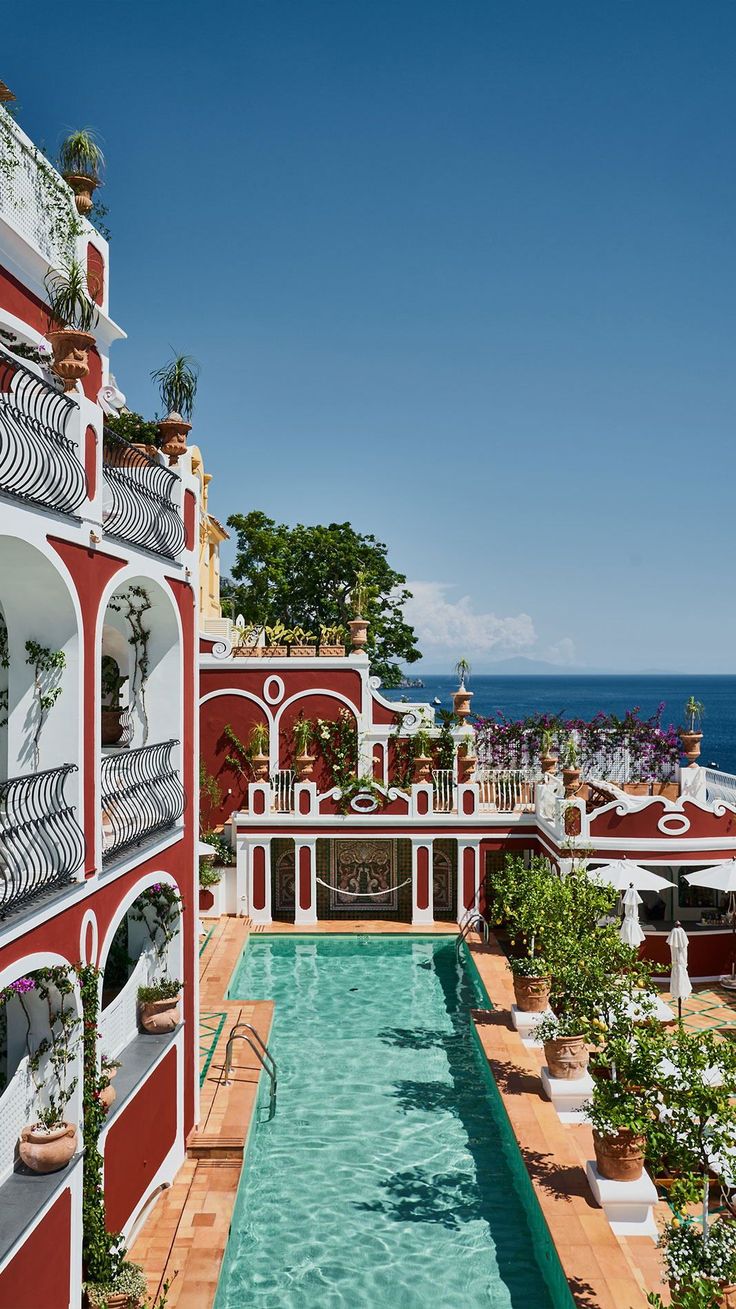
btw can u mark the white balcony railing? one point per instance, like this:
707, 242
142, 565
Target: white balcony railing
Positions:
34, 199
720, 786
443, 781
506, 789
119, 1020
15, 1109
282, 791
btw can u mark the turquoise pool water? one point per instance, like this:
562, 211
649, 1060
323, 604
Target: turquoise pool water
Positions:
387, 1178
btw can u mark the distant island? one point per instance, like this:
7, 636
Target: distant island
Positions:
409, 681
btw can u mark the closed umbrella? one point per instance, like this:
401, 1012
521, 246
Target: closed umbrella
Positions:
721, 877
631, 931
622, 873
680, 984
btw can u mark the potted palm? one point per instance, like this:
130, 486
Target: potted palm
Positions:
691, 735
303, 644
532, 984
303, 738
258, 751
72, 315
331, 641
570, 767
277, 637
466, 759
422, 762
547, 757
80, 163
177, 385
112, 711
462, 697
159, 1006
358, 623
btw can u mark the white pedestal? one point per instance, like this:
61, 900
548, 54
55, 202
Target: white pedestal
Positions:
525, 1024
568, 1096
628, 1206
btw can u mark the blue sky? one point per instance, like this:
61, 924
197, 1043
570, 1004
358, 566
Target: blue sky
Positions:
462, 273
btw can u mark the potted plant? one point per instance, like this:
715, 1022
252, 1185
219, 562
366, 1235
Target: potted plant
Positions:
177, 385
258, 751
358, 623
159, 1006
331, 641
303, 644
303, 738
80, 163
125, 1286
72, 315
691, 735
532, 984
620, 1115
570, 767
108, 1070
462, 697
133, 430
565, 1049
248, 637
422, 767
112, 710
547, 758
466, 759
277, 637
48, 1143
700, 1265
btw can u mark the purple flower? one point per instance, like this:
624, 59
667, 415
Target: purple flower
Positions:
157, 887
22, 985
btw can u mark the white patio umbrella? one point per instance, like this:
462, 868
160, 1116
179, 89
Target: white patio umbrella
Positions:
721, 877
630, 930
680, 984
622, 873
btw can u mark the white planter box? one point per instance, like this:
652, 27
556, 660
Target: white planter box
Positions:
568, 1095
525, 1025
628, 1206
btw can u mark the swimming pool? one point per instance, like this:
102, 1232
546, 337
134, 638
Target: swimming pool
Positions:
388, 1177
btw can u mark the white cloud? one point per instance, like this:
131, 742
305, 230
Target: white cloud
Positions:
562, 652
453, 625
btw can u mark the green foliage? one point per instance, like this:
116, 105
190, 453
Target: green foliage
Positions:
334, 635
210, 799
51, 197
692, 1262
694, 710
303, 732
445, 742
69, 300
628, 1100
112, 682
80, 153
101, 1250
167, 989
224, 853
134, 428
698, 1124
159, 908
337, 739
47, 666
526, 967
570, 753
306, 576
51, 1059
208, 876
134, 603
177, 385
128, 1279
463, 670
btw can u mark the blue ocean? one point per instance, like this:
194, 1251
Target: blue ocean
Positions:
578, 696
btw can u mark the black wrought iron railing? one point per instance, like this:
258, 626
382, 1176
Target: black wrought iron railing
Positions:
138, 505
142, 795
38, 461
41, 843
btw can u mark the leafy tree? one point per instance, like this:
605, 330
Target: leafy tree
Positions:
304, 576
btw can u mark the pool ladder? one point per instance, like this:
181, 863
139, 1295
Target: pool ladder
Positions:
474, 922
262, 1053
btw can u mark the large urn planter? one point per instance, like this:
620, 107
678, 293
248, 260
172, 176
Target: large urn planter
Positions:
548, 763
571, 780
47, 1151
112, 726
304, 764
84, 188
567, 1057
159, 1016
620, 1157
259, 763
422, 768
173, 431
690, 742
358, 633
466, 767
461, 702
532, 994
71, 349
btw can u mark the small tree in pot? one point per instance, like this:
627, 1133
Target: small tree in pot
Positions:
303, 731
81, 162
422, 755
624, 1105
112, 711
48, 1143
691, 735
570, 766
159, 908
177, 383
72, 316
462, 697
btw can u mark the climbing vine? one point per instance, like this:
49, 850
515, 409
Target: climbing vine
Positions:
134, 604
51, 196
4, 663
159, 908
99, 1247
47, 666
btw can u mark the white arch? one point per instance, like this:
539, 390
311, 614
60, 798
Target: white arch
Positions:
30, 962
245, 695
121, 909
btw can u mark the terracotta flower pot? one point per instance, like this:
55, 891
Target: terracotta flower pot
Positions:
47, 1152
83, 187
303, 651
728, 1296
173, 430
159, 1016
304, 766
571, 780
332, 651
260, 767
112, 726
567, 1057
620, 1158
531, 993
422, 768
549, 763
119, 1300
248, 651
358, 632
275, 651
466, 767
461, 702
690, 742
71, 349
108, 1096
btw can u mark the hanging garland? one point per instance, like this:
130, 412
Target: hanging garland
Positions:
52, 197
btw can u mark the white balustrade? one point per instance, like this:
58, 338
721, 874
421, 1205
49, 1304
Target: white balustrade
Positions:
16, 1110
34, 199
443, 781
506, 789
282, 791
720, 786
119, 1020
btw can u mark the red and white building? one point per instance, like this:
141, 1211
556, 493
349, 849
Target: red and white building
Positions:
86, 827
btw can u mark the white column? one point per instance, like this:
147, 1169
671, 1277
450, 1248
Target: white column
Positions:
257, 852
422, 882
468, 870
305, 883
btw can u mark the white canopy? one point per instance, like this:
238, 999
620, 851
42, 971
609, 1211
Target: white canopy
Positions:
680, 984
630, 931
719, 877
622, 873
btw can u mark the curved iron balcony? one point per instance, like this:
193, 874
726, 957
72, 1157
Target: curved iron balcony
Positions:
138, 505
41, 843
38, 461
141, 795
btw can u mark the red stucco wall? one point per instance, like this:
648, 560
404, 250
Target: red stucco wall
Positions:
138, 1142
38, 1276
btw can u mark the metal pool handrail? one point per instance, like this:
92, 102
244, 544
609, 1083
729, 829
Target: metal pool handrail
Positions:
262, 1053
474, 921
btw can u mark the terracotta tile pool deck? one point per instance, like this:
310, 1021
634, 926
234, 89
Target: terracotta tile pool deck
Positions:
188, 1229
